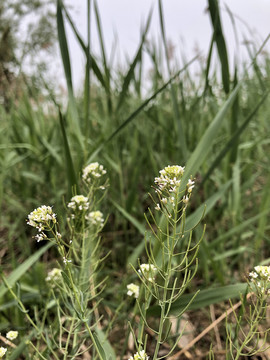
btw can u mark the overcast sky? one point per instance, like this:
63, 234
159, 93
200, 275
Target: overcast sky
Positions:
187, 26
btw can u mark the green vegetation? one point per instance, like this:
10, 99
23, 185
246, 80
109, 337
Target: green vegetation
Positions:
216, 126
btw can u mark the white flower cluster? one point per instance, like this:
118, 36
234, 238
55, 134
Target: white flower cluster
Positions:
170, 178
168, 184
2, 351
141, 355
261, 277
93, 171
95, 218
54, 275
79, 202
133, 290
12, 335
148, 271
41, 217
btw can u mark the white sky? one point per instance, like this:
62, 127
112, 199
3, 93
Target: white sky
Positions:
187, 26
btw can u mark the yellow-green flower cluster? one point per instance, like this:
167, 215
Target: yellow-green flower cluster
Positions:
79, 202
12, 335
2, 351
93, 172
168, 185
54, 275
95, 218
170, 178
133, 290
141, 355
41, 217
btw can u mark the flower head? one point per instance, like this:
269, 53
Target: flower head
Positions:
2, 351
133, 290
11, 335
92, 172
41, 217
148, 271
79, 202
141, 355
261, 277
54, 275
170, 178
95, 218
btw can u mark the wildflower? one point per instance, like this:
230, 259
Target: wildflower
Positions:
185, 200
11, 335
170, 178
261, 277
164, 200
95, 218
41, 217
261, 272
79, 202
148, 271
157, 207
141, 355
65, 260
54, 275
93, 171
2, 351
133, 290
190, 185
40, 236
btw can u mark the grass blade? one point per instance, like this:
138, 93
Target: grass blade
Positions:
22, 269
220, 42
130, 74
67, 68
71, 174
178, 121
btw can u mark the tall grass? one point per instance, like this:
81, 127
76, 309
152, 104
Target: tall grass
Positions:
217, 129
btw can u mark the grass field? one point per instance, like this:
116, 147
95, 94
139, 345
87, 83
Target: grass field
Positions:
217, 127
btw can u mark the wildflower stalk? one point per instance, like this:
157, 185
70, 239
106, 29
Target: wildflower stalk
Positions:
168, 274
161, 276
25, 311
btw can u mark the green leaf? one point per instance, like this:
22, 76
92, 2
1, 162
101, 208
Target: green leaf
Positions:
105, 344
22, 269
99, 347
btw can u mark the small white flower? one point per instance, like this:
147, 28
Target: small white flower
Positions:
164, 200
185, 199
2, 351
157, 207
11, 335
141, 355
148, 271
133, 290
41, 236
54, 275
65, 260
190, 185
